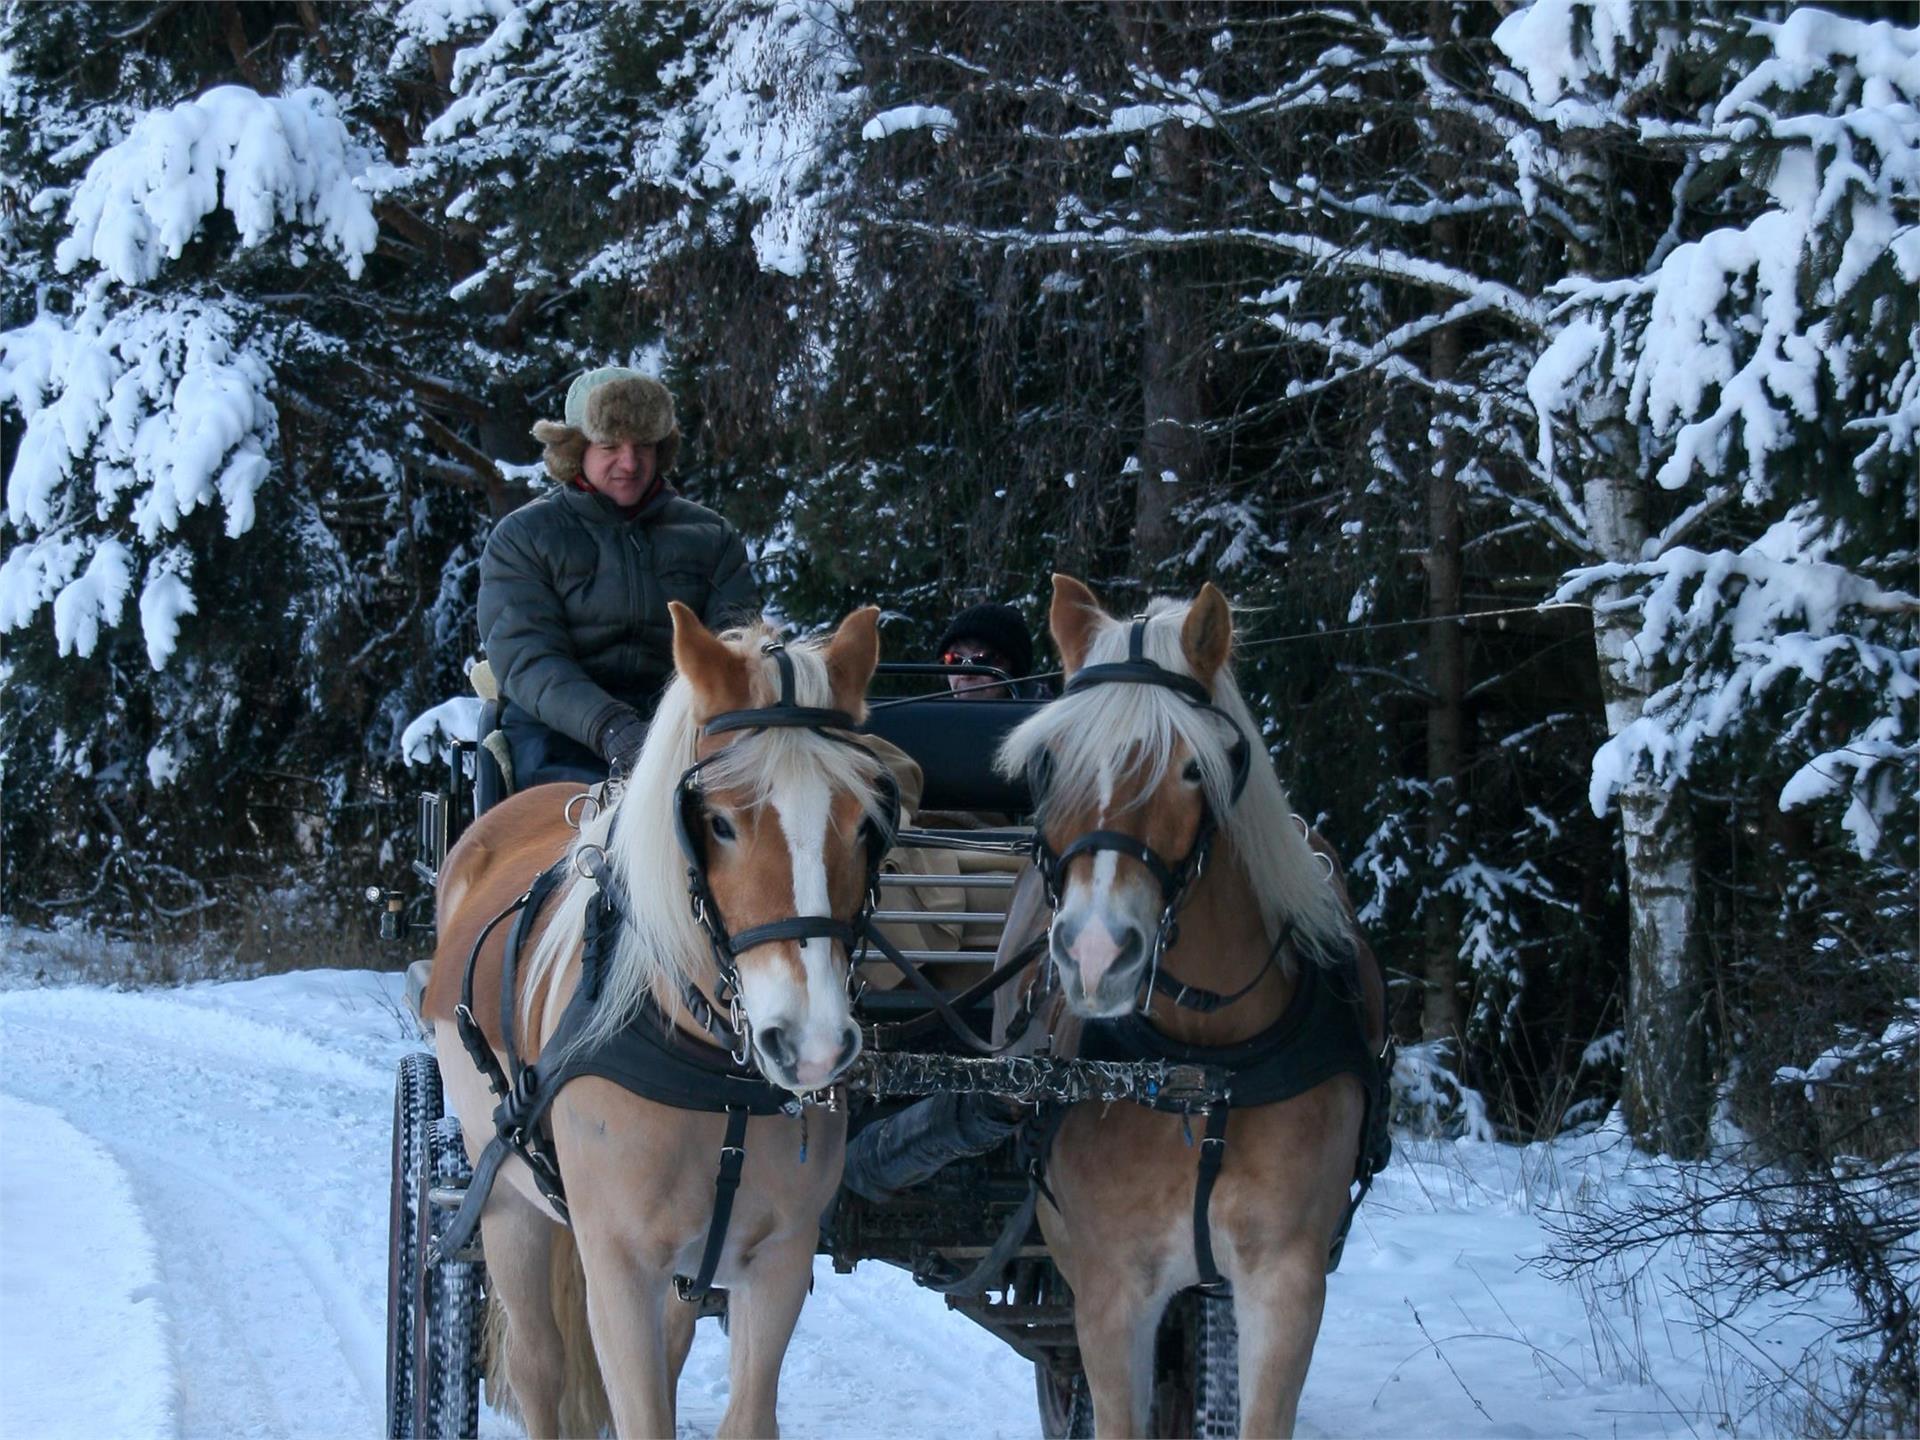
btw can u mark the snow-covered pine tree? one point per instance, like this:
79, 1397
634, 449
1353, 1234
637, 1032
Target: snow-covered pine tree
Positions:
1739, 404
643, 183
1342, 235
219, 555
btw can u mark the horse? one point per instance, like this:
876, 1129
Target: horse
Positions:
748, 767
1147, 756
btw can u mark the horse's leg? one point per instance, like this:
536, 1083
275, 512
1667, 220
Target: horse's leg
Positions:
680, 1322
1116, 1332
1277, 1309
1277, 1218
1115, 1316
626, 1310
765, 1307
518, 1241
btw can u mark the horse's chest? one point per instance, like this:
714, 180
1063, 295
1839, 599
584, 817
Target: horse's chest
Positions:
1128, 1176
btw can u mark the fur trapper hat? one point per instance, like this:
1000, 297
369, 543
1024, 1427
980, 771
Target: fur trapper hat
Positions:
605, 407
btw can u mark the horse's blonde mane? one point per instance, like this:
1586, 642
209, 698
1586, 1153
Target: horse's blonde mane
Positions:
1090, 733
660, 947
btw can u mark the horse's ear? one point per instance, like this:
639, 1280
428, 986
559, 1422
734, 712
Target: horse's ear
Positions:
1207, 635
851, 655
1075, 615
717, 672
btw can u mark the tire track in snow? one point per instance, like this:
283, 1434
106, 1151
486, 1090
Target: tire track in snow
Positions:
258, 1155
252, 1122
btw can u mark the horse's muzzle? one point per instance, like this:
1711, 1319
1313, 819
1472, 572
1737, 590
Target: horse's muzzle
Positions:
799, 1068
1100, 972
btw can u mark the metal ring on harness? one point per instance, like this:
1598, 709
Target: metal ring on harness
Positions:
590, 862
573, 801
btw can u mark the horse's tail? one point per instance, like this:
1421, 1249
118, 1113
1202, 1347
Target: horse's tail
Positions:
584, 1408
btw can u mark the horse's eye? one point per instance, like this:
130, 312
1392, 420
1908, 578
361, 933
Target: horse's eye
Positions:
1192, 773
722, 827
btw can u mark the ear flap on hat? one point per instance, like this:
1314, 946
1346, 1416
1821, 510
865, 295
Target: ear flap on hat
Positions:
565, 449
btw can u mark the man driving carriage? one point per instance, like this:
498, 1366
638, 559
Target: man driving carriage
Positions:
574, 586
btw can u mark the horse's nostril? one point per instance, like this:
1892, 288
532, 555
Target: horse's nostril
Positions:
774, 1042
848, 1049
1131, 947
1062, 936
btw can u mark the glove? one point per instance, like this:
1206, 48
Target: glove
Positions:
620, 738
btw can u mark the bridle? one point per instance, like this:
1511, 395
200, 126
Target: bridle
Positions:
1176, 879
725, 1017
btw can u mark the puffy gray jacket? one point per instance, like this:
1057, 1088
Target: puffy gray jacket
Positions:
573, 602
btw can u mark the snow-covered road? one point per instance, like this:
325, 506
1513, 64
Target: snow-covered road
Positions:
192, 1242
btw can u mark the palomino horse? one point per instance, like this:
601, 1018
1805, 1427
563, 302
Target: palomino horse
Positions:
1143, 767
784, 817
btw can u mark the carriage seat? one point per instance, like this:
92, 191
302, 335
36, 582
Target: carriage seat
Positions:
953, 741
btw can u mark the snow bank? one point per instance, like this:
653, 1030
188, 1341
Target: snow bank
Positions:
83, 1337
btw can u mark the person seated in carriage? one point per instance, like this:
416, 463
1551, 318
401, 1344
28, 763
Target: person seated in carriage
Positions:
994, 636
574, 585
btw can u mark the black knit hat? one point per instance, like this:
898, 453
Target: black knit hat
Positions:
1000, 628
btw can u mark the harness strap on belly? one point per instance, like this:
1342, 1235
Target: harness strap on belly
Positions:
1213, 1151
733, 1157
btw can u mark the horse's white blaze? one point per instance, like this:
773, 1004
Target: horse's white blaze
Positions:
814, 1014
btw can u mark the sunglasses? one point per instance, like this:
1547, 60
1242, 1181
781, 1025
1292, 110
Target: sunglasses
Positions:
969, 657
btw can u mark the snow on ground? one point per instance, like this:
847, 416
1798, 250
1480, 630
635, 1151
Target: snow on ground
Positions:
192, 1241
58, 1338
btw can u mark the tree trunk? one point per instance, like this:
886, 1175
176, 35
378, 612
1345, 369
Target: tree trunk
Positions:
1171, 457
1668, 1092
1172, 350
1440, 1013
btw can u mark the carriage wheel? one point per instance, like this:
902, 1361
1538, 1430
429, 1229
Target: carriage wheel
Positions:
1066, 1405
1198, 1390
449, 1301
417, 1104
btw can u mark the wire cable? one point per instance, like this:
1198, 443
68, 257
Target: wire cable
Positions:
1298, 635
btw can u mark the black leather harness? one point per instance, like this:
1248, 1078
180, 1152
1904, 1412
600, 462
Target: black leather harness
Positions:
1318, 1036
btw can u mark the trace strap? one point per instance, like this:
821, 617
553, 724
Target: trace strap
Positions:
1213, 1152
733, 1157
